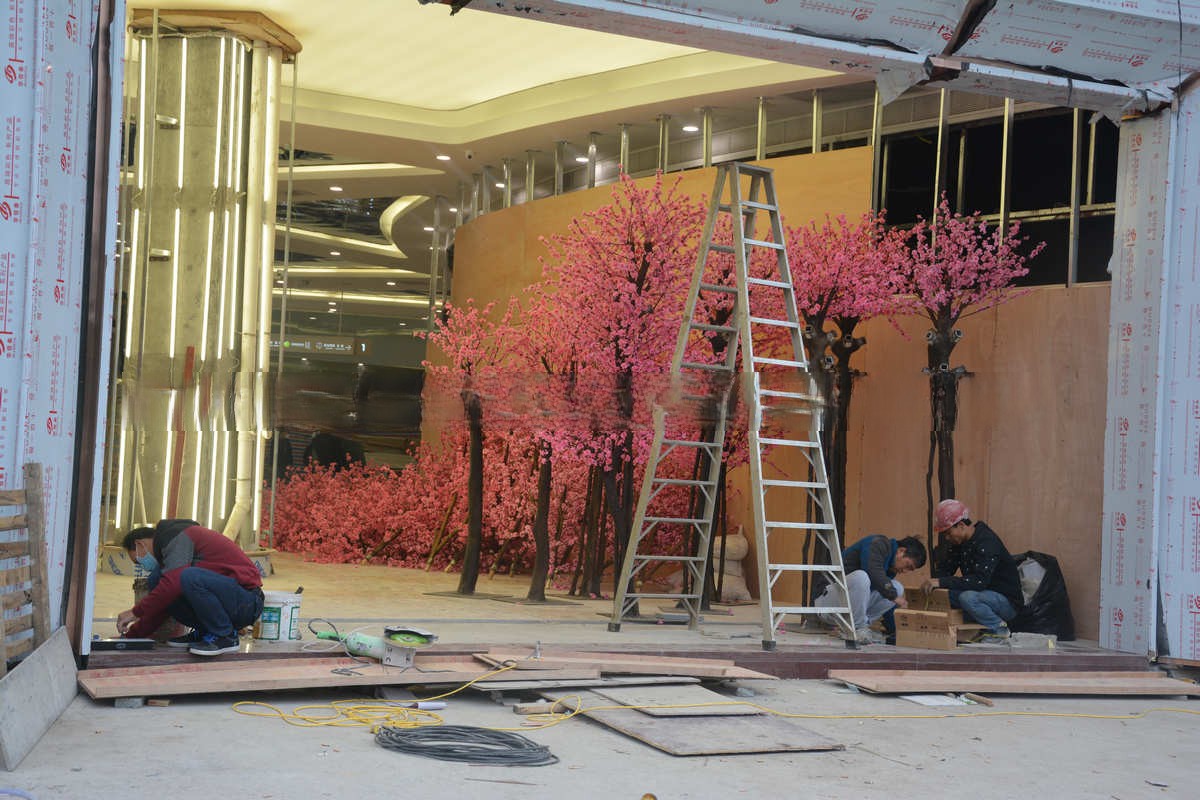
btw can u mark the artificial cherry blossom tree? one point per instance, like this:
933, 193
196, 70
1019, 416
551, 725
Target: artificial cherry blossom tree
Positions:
957, 266
844, 273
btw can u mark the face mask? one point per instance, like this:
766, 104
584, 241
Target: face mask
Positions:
148, 562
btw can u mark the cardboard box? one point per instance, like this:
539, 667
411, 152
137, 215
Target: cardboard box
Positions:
932, 630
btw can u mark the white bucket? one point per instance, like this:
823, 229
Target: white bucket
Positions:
280, 620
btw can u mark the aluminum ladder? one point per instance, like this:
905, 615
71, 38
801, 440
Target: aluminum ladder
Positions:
789, 392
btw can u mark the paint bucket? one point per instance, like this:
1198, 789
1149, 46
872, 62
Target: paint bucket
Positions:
280, 620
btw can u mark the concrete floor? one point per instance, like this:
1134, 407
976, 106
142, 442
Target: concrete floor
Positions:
199, 747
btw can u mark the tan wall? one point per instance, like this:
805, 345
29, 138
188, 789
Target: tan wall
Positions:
1029, 446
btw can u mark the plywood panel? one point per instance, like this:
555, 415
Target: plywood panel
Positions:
678, 701
1094, 683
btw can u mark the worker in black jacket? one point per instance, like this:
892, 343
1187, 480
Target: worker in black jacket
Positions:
987, 587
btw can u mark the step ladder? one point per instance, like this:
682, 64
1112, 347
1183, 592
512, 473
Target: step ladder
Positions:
775, 386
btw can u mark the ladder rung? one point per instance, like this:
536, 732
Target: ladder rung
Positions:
762, 243
765, 282
796, 484
701, 326
689, 443
660, 596
803, 568
670, 558
742, 168
781, 362
680, 482
689, 520
713, 287
709, 367
790, 442
790, 395
721, 248
809, 610
781, 323
801, 526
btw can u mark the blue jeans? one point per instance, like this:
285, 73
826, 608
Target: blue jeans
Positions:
212, 603
990, 609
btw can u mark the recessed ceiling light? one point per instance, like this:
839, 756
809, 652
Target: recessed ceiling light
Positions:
391, 283
333, 302
403, 324
690, 129
499, 185
581, 159
429, 228
453, 210
335, 188
311, 317
335, 252
333, 311
443, 157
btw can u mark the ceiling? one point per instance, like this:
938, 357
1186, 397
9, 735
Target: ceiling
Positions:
383, 87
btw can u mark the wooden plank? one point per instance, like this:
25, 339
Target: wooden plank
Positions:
698, 736
677, 701
15, 577
518, 684
283, 673
250, 24
1088, 683
632, 664
37, 549
12, 497
34, 695
13, 523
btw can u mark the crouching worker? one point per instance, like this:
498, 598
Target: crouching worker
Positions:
871, 565
987, 587
200, 578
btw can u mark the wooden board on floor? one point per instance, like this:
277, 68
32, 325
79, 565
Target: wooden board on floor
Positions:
627, 663
677, 701
891, 681
703, 736
34, 695
521, 683
287, 673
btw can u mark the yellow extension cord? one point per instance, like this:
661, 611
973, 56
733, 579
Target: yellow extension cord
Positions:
376, 714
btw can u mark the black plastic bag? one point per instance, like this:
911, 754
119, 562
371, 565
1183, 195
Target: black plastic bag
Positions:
1048, 612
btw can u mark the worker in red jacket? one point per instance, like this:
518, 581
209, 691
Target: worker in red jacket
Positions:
200, 578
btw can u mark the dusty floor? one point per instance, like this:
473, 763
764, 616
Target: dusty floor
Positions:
200, 747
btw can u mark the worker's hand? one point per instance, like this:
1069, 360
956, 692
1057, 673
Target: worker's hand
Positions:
901, 602
930, 584
125, 621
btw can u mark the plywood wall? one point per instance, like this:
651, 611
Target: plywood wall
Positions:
1029, 445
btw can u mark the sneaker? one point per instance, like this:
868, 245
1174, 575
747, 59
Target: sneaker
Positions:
868, 636
998, 636
187, 640
215, 645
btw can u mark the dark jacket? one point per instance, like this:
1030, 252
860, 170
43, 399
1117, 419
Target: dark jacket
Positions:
179, 544
875, 555
984, 563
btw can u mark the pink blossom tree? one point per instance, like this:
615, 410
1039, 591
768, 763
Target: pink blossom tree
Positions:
622, 271
844, 273
957, 266
473, 344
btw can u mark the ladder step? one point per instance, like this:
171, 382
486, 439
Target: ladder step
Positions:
790, 395
790, 442
797, 484
689, 443
688, 520
670, 558
762, 243
779, 323
721, 248
680, 482
765, 282
712, 287
659, 596
803, 568
701, 326
781, 362
748, 204
709, 367
742, 168
800, 526
807, 610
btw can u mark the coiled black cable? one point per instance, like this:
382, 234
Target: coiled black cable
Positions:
467, 744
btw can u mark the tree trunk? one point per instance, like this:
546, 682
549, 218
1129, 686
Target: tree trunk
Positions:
473, 406
943, 400
541, 529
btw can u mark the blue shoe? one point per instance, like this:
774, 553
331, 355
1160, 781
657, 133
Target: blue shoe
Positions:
215, 645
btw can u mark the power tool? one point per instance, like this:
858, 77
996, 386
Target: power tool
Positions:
396, 648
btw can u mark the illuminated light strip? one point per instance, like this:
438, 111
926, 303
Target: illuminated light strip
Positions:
218, 117
182, 104
167, 459
208, 256
133, 262
141, 136
233, 281
174, 284
212, 481
224, 281
225, 473
199, 461
356, 297
122, 434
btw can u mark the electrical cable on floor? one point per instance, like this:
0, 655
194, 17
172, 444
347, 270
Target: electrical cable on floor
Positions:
468, 745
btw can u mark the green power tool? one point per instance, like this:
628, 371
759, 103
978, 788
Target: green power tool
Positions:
396, 648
